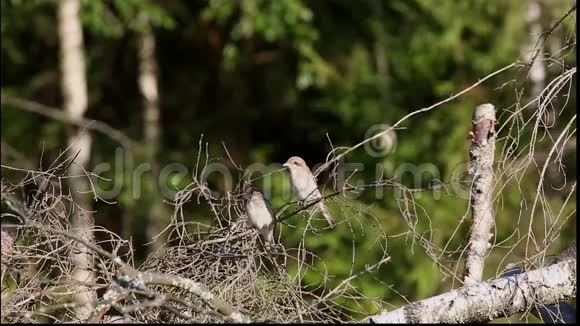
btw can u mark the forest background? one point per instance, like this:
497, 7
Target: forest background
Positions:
273, 79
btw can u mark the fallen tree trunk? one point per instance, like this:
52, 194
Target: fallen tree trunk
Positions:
497, 298
562, 313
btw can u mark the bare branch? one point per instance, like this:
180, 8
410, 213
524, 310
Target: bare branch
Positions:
59, 115
398, 123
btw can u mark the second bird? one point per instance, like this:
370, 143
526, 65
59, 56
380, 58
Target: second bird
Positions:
305, 187
260, 214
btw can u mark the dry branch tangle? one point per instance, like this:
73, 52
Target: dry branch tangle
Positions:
489, 300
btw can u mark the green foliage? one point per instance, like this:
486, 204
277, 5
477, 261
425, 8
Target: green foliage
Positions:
272, 79
288, 23
113, 18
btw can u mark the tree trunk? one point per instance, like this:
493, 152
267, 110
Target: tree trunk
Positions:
533, 51
74, 91
148, 81
481, 154
379, 52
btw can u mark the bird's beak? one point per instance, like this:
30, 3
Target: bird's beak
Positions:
286, 165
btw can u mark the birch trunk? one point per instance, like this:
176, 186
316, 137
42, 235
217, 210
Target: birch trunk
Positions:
486, 301
148, 81
74, 91
533, 50
481, 155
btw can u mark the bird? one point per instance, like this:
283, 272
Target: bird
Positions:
304, 186
260, 214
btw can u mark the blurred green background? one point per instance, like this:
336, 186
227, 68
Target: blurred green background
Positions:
271, 79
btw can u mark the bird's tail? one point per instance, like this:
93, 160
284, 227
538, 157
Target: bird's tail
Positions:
267, 234
326, 214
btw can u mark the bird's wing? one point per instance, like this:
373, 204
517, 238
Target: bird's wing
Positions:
270, 208
269, 233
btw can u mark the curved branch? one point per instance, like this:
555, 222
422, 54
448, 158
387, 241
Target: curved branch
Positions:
398, 123
53, 113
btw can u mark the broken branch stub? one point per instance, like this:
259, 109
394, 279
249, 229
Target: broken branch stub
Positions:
481, 153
